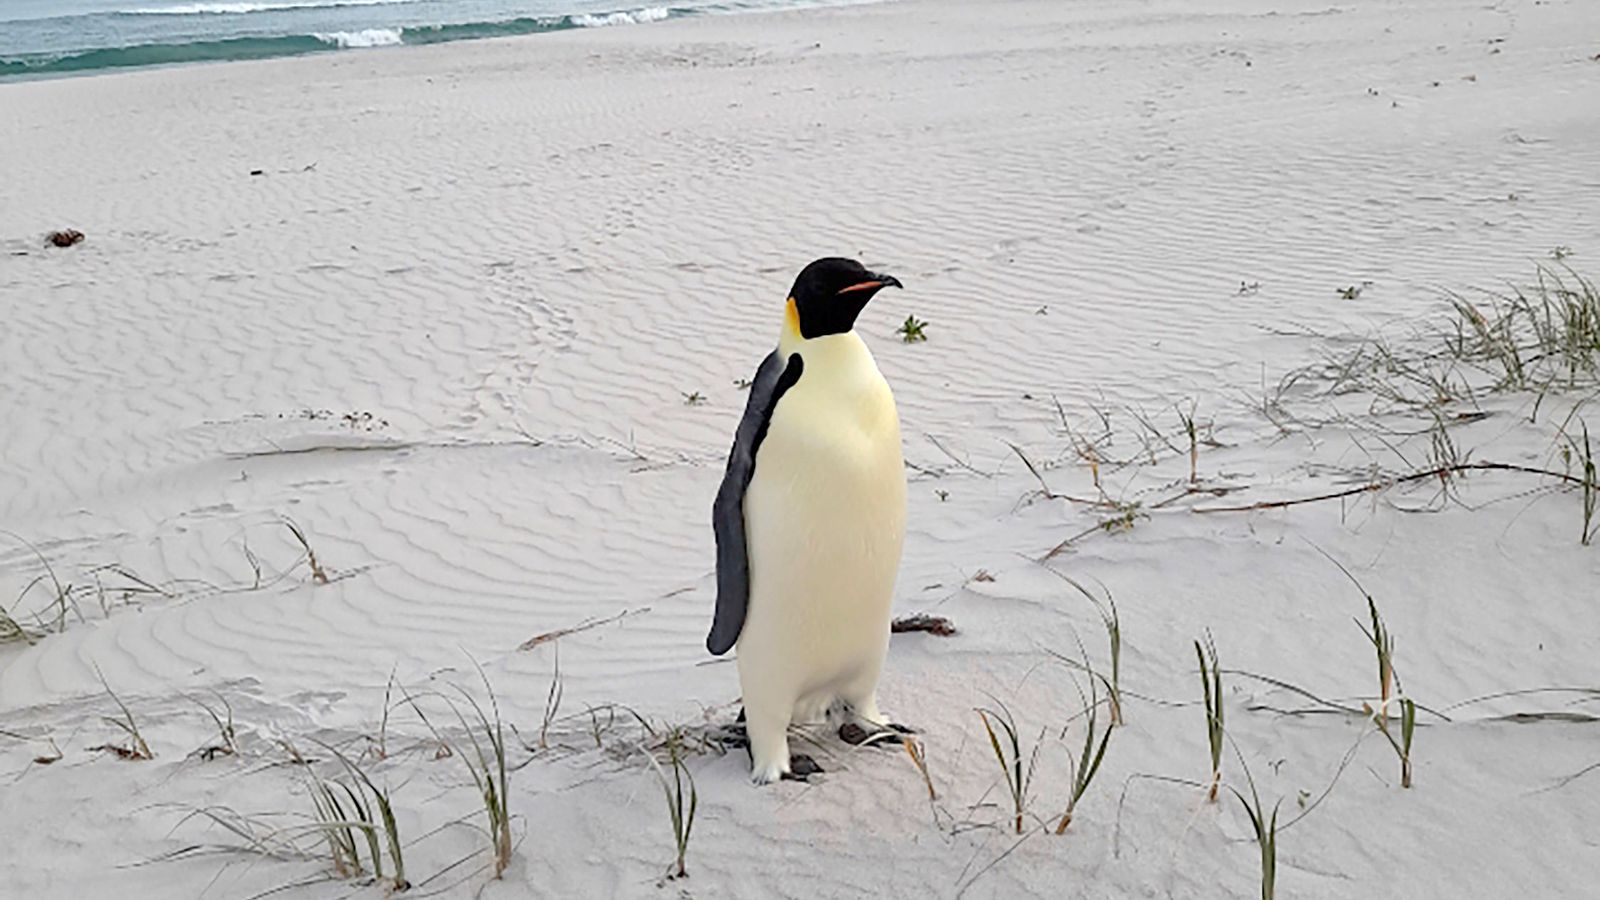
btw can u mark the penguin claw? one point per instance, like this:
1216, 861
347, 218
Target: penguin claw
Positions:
729, 736
801, 768
885, 736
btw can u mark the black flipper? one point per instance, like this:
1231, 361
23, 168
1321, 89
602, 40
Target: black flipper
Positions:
727, 515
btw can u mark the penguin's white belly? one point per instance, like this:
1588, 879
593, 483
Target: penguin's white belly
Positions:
825, 516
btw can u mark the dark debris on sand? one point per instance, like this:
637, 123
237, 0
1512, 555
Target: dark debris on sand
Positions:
65, 238
936, 625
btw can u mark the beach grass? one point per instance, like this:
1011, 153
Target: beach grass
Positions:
1081, 771
484, 737
677, 790
136, 748
919, 758
1106, 606
1008, 756
912, 330
222, 718
318, 574
371, 826
1211, 691
1582, 454
487, 763
1264, 825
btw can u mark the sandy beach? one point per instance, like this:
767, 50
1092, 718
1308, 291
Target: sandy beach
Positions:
474, 319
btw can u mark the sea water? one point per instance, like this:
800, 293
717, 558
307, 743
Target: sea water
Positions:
46, 37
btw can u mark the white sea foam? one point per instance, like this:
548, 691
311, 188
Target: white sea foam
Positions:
636, 17
241, 8
368, 37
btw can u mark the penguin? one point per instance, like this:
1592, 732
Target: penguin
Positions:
809, 523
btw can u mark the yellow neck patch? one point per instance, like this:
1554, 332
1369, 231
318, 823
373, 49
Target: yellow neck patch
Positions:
791, 320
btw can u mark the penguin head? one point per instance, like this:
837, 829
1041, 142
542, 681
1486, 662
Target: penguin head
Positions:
830, 293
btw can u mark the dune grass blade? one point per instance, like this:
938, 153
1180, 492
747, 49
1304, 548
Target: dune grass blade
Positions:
137, 748
1088, 763
682, 817
385, 820
1265, 827
337, 829
227, 744
318, 574
919, 758
552, 700
1112, 620
1211, 690
489, 770
1591, 488
1382, 641
1018, 778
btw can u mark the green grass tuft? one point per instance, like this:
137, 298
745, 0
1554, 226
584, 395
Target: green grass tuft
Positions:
1211, 690
1018, 778
679, 787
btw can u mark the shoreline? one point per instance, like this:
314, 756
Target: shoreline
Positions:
471, 324
36, 66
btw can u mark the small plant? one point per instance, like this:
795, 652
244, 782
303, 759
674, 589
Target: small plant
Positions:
1265, 827
1113, 625
488, 767
1211, 689
552, 700
1560, 253
318, 574
12, 630
338, 827
136, 747
1019, 780
1125, 514
1351, 292
596, 729
919, 758
1591, 482
52, 617
693, 398
486, 763
385, 821
1083, 771
912, 330
380, 749
1383, 642
223, 720
1193, 432
682, 816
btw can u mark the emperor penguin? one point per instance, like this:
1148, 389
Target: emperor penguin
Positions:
809, 523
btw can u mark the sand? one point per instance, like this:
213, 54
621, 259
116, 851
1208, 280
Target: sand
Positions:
476, 327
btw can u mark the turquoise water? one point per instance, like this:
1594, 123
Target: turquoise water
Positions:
47, 37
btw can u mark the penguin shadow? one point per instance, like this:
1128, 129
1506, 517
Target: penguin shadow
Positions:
801, 765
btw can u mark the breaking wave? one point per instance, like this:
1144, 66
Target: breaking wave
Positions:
155, 54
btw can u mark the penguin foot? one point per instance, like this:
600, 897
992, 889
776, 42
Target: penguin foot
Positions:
736, 734
885, 736
801, 768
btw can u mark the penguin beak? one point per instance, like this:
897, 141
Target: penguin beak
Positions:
874, 284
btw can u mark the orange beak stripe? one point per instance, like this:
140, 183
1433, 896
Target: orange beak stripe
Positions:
863, 286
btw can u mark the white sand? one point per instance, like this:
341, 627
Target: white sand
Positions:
519, 256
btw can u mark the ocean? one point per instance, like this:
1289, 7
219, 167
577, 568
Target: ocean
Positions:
51, 37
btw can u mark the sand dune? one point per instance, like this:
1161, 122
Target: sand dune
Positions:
476, 328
